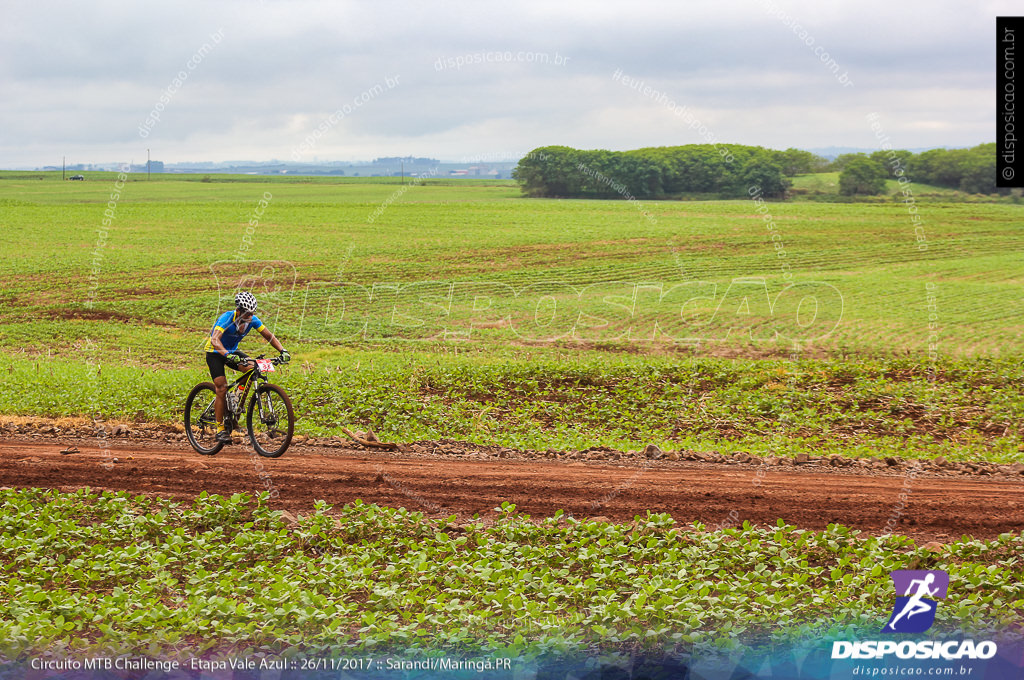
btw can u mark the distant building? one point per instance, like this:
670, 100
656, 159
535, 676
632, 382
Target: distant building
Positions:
408, 160
154, 166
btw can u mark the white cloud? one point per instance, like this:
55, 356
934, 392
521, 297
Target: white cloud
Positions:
79, 79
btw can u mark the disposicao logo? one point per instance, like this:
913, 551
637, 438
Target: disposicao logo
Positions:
916, 591
914, 612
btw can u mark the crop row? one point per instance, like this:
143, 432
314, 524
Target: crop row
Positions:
962, 409
88, 571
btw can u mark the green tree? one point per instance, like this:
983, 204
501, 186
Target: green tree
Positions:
862, 176
598, 171
799, 162
549, 171
941, 167
842, 160
529, 173
979, 174
703, 169
766, 176
643, 171
892, 161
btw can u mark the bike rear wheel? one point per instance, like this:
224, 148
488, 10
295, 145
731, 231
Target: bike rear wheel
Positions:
200, 419
270, 420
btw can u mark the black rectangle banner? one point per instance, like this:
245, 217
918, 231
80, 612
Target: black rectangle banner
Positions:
1009, 154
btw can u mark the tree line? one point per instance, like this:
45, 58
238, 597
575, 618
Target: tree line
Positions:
726, 170
969, 170
735, 171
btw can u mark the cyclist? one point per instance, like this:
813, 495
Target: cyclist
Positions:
222, 350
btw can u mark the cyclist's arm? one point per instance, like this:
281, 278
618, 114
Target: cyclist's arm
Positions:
217, 344
272, 339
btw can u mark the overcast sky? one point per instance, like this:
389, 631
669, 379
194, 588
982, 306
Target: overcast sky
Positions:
82, 78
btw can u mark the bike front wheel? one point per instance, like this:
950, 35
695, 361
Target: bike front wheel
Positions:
270, 420
200, 420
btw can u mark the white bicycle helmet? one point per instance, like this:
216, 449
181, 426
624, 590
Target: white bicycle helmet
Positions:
246, 301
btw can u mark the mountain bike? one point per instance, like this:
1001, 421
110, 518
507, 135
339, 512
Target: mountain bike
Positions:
269, 419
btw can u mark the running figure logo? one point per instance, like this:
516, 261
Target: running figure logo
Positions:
915, 602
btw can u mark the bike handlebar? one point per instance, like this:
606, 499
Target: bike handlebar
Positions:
274, 360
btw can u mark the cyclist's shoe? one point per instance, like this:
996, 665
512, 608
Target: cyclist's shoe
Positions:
224, 437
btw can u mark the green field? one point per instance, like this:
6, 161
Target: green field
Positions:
460, 309
109, 572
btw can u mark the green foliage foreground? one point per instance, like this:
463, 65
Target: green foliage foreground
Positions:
115, 573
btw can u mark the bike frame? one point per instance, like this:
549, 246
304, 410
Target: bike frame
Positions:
246, 381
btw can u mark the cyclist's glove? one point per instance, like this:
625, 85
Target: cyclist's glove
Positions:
285, 356
232, 360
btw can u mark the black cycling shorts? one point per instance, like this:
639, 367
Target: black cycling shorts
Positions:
217, 361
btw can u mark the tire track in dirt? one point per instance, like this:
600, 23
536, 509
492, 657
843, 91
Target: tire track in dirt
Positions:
938, 508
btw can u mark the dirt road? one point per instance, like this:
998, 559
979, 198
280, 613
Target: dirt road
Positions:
935, 508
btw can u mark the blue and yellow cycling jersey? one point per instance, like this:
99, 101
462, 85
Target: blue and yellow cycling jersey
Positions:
233, 330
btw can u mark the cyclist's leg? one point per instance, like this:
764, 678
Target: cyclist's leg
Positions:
216, 363
220, 407
244, 356
247, 369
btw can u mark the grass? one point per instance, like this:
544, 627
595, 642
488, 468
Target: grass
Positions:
861, 261
541, 398
461, 309
88, 572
